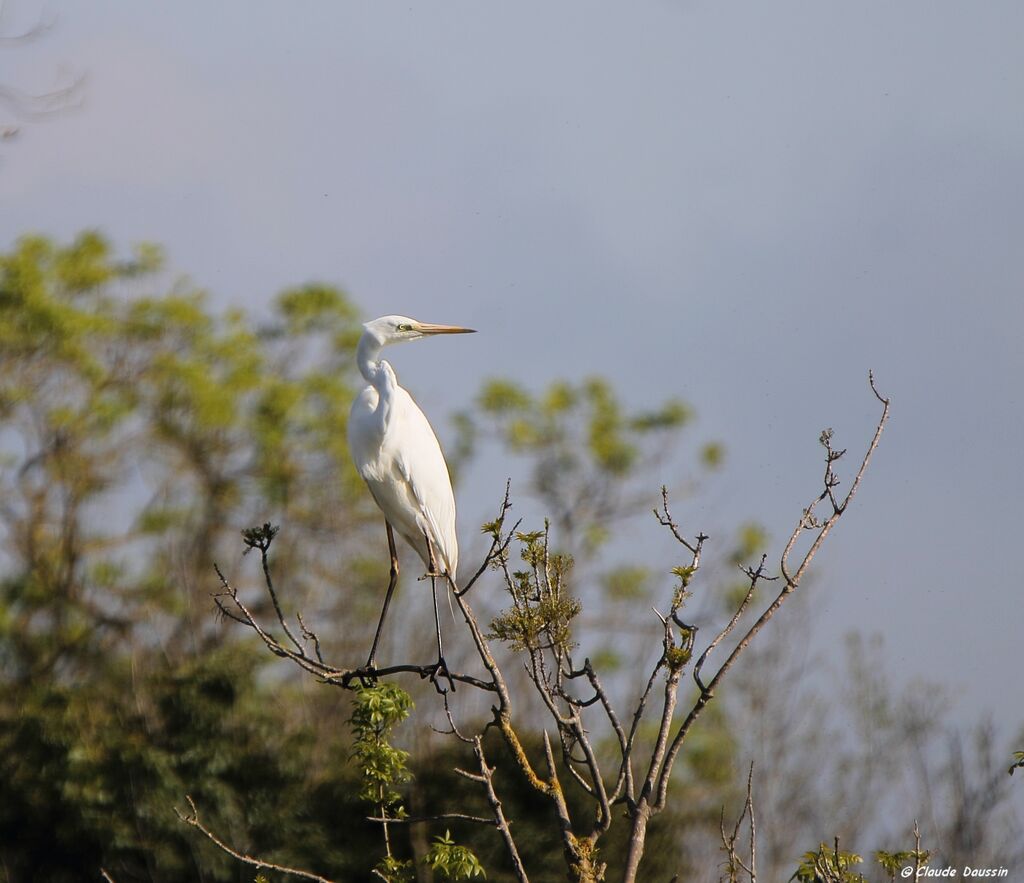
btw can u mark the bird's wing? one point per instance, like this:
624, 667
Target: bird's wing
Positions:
423, 469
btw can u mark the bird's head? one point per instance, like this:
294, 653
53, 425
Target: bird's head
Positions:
398, 329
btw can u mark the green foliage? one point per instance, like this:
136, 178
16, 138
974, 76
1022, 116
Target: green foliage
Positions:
685, 574
92, 771
894, 862
627, 582
451, 861
308, 308
501, 397
828, 865
542, 609
1018, 761
395, 870
583, 444
677, 656
751, 540
259, 537
607, 659
831, 865
376, 712
137, 429
680, 650
712, 455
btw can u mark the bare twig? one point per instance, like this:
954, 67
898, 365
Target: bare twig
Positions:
755, 575
310, 635
261, 538
192, 818
440, 817
753, 825
734, 862
486, 776
499, 547
791, 582
625, 775
453, 730
665, 519
662, 759
314, 664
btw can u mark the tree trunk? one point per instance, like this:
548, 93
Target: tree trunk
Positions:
636, 842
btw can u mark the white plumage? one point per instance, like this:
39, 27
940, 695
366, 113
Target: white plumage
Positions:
398, 455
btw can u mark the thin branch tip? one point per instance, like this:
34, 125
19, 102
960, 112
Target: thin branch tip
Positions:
871, 382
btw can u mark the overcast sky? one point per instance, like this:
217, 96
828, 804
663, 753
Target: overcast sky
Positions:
746, 205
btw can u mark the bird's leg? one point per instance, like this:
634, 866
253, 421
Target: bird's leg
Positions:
393, 581
441, 668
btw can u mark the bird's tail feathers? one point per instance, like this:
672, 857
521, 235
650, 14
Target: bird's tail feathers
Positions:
452, 588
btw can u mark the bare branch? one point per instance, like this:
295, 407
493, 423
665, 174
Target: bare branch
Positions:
310, 635
192, 819
502, 824
441, 817
627, 755
625, 776
261, 538
345, 677
315, 665
755, 576
805, 522
918, 855
753, 825
734, 862
498, 546
664, 727
665, 519
604, 815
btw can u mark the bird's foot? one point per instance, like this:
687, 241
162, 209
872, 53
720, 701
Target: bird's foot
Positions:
437, 672
430, 574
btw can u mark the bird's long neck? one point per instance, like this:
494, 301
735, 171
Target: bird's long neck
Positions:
378, 373
368, 360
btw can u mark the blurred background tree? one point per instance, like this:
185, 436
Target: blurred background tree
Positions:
140, 431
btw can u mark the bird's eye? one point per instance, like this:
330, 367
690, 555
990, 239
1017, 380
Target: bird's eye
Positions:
405, 327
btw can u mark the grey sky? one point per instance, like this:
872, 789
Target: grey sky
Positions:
743, 204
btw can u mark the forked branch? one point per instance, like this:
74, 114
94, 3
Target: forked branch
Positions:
653, 795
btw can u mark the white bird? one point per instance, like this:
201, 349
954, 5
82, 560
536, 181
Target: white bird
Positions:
398, 456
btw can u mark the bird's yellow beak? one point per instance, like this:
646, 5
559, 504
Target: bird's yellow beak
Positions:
426, 328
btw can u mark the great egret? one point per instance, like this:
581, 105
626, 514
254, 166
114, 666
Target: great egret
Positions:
398, 456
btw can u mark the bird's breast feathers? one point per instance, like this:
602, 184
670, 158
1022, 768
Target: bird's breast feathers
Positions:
398, 456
